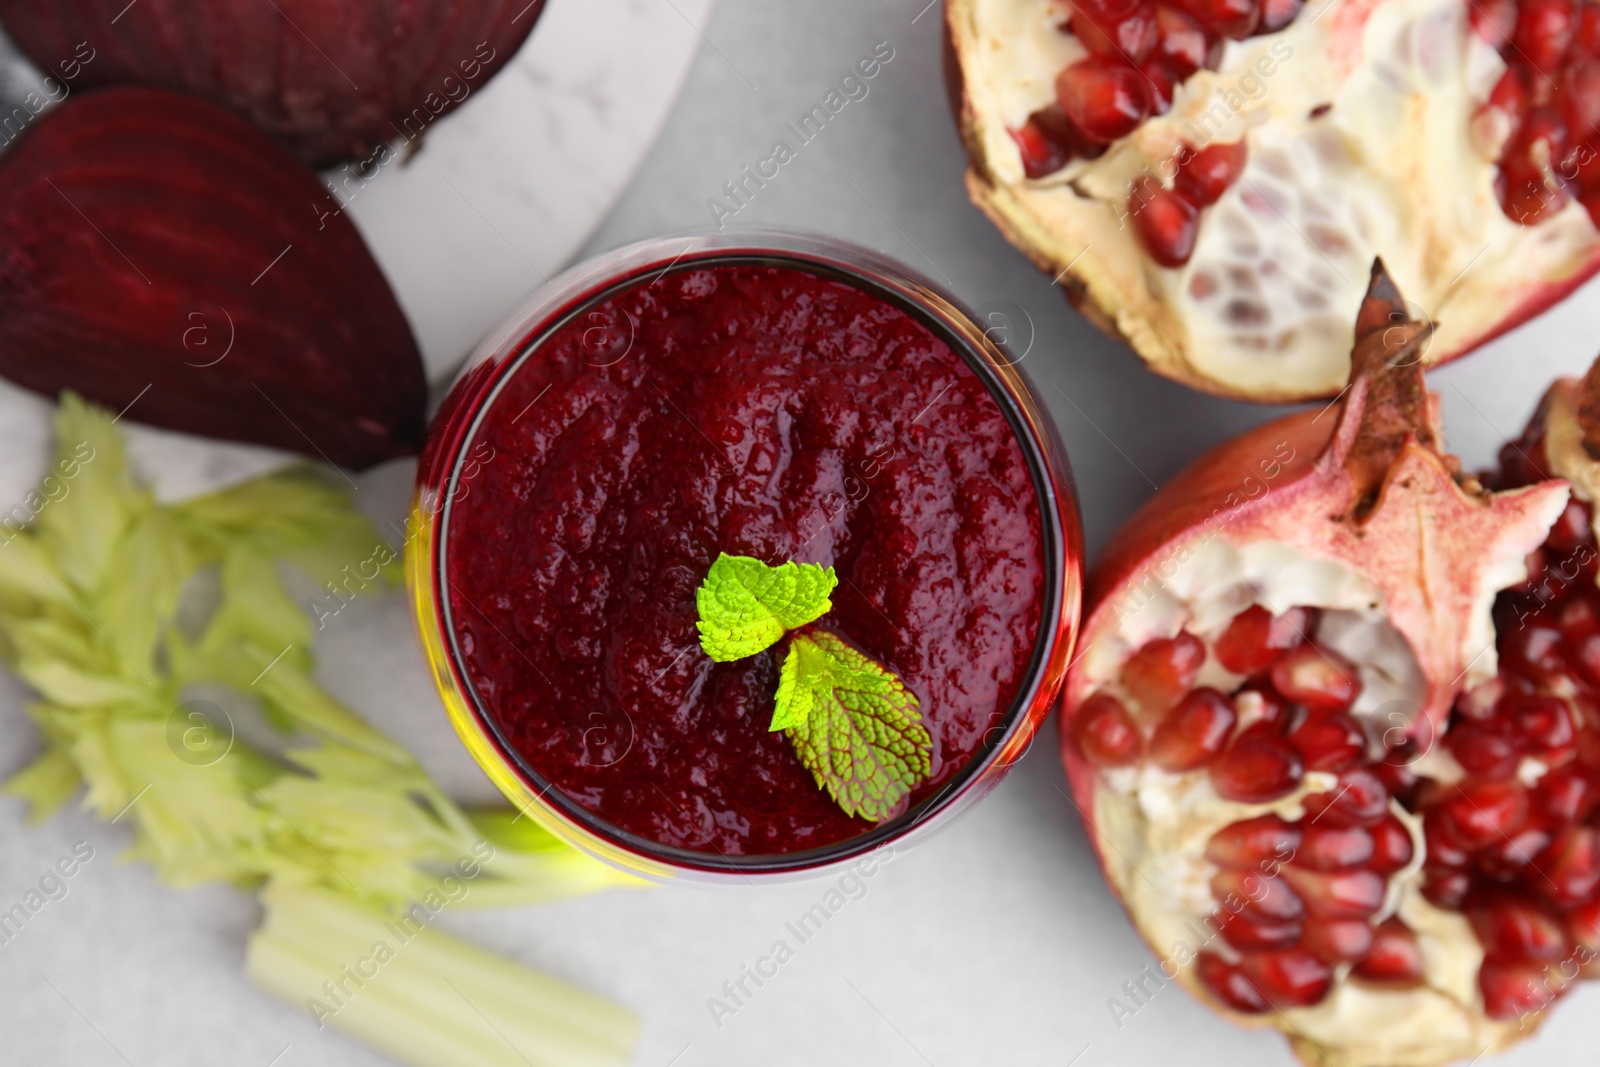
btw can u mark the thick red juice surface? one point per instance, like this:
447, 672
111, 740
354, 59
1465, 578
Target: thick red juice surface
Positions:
761, 411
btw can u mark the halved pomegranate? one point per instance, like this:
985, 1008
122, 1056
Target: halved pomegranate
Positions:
1393, 854
1213, 188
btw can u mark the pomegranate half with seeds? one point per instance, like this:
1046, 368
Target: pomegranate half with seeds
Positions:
1209, 179
1335, 724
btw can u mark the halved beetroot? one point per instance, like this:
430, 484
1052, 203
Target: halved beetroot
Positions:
160, 255
1412, 775
333, 81
1301, 145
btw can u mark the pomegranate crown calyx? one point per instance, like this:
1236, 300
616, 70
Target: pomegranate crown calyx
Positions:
1387, 406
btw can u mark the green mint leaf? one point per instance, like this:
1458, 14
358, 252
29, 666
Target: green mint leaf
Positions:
854, 726
746, 606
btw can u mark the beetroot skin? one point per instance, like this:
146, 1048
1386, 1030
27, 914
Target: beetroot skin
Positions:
331, 79
159, 252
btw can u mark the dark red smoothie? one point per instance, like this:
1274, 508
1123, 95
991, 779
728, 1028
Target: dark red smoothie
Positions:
761, 411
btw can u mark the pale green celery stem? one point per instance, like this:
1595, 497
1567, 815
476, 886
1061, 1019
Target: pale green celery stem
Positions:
427, 1005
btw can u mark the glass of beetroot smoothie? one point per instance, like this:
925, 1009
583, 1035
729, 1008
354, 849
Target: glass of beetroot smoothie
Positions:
743, 556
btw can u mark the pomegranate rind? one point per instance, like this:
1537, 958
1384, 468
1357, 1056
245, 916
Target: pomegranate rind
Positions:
1071, 230
1386, 515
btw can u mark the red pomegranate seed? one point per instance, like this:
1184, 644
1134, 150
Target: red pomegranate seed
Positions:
1493, 20
1318, 678
1337, 940
1512, 988
1583, 927
1483, 813
1396, 775
1445, 888
1129, 37
1441, 847
1255, 637
1337, 894
1358, 800
1484, 749
1579, 99
1161, 83
1106, 11
1392, 847
1572, 530
1500, 117
1288, 977
1334, 848
1252, 843
1160, 673
1395, 957
1587, 39
1247, 936
1042, 153
1528, 168
1510, 926
1577, 618
1183, 42
1276, 14
1105, 733
1544, 30
1257, 897
1479, 702
1263, 708
1569, 873
1106, 98
1330, 742
1256, 769
1167, 224
1229, 985
1236, 19
1193, 733
1514, 854
1544, 726
1566, 795
1584, 652
1534, 648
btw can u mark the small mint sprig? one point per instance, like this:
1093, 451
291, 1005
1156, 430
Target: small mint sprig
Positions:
854, 725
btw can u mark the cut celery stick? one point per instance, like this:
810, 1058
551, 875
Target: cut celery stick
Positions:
437, 1000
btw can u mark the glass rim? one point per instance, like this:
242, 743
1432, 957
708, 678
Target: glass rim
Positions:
560, 301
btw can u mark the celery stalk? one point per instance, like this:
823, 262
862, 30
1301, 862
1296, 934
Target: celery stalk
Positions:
344, 829
433, 999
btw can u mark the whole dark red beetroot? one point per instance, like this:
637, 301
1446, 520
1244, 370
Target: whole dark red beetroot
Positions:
332, 79
159, 252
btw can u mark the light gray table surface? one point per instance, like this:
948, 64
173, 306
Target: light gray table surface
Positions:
995, 942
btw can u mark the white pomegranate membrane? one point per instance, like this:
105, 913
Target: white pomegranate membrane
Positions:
1539, 122
1261, 792
1227, 237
